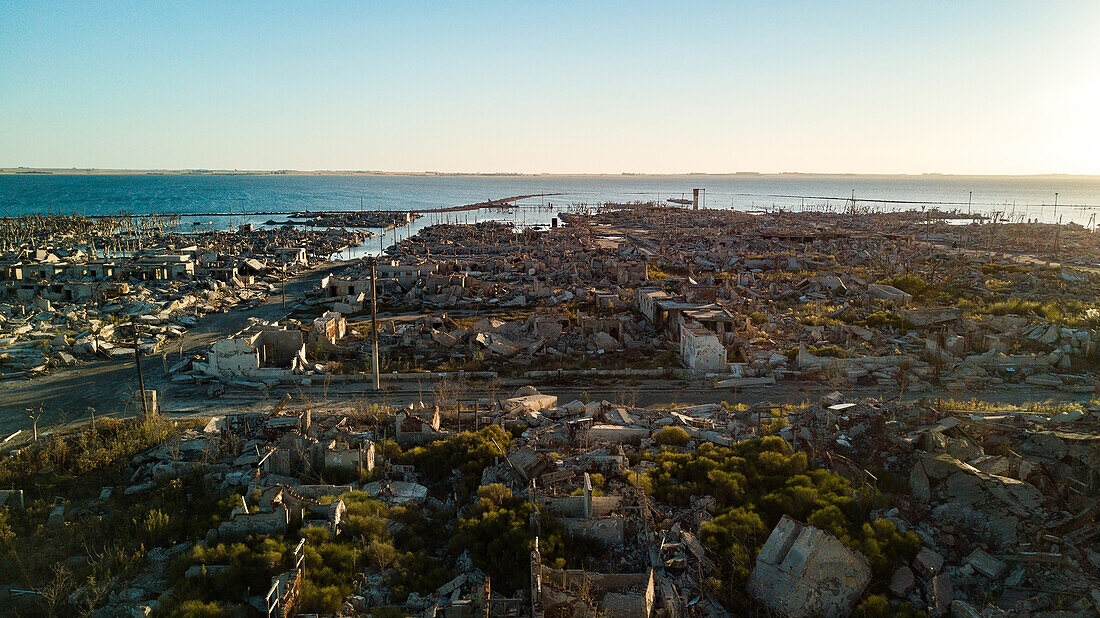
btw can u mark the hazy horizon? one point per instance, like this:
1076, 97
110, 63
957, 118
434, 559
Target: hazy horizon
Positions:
868, 88
17, 170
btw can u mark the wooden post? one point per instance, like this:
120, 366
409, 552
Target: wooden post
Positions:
137, 361
374, 324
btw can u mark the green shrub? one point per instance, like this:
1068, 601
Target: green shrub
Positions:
468, 452
829, 351
322, 599
908, 283
360, 503
873, 606
732, 539
884, 545
7, 535
92, 457
883, 319
654, 273
640, 480
754, 484
380, 555
364, 528
417, 573
876, 605
200, 609
496, 533
1066, 312
155, 530
251, 565
672, 436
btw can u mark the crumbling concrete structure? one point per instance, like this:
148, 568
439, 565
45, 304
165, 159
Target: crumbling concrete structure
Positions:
587, 515
803, 571
330, 327
258, 353
701, 350
620, 594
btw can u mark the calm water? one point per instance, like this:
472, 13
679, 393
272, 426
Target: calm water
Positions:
238, 197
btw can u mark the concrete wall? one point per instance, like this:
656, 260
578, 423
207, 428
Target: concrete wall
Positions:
233, 357
406, 275
335, 286
609, 585
631, 605
804, 571
647, 302
608, 531
565, 506
617, 433
345, 460
314, 492
269, 523
701, 350
290, 255
280, 348
12, 498
331, 326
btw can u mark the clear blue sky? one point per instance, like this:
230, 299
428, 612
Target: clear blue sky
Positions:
876, 87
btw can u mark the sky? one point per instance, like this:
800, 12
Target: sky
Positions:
1005, 87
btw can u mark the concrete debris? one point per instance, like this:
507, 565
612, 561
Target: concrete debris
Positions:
803, 571
137, 281
902, 581
626, 328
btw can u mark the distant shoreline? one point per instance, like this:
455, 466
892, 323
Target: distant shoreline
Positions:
38, 171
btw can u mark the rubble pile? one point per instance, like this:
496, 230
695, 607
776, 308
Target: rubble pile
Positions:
883, 300
543, 341
79, 298
1003, 499
873, 482
1000, 500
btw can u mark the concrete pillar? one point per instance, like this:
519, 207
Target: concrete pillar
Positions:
150, 405
587, 496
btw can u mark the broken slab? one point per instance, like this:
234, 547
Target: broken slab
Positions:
889, 293
985, 564
529, 403
940, 595
804, 571
12, 498
930, 315
928, 562
902, 581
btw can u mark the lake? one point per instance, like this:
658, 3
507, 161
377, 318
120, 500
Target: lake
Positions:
238, 197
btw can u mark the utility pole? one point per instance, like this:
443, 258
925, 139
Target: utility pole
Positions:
374, 324
137, 361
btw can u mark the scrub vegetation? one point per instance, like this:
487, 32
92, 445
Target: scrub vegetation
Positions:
756, 482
